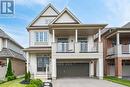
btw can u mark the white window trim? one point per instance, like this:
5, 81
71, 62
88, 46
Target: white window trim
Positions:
40, 37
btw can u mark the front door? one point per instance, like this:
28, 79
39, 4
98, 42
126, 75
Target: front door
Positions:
42, 63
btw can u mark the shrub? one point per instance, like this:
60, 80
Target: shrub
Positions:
9, 78
27, 76
9, 69
37, 82
31, 85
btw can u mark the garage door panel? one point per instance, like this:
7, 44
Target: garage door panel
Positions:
72, 69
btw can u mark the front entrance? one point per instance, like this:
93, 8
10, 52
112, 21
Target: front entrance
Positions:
72, 70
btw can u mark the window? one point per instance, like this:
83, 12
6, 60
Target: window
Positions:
42, 62
37, 39
41, 36
82, 39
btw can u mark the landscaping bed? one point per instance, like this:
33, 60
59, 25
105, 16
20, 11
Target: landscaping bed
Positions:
118, 80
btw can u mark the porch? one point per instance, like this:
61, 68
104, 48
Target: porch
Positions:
118, 45
78, 39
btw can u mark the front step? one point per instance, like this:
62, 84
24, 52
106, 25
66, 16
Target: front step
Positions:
42, 77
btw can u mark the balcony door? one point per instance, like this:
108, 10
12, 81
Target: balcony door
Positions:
62, 44
83, 44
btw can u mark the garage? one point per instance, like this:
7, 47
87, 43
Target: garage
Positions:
72, 70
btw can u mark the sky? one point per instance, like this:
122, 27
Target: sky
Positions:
115, 13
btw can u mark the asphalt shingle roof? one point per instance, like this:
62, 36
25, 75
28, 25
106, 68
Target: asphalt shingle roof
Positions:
126, 25
8, 53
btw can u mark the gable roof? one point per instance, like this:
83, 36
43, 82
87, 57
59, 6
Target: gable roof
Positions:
127, 25
42, 12
6, 36
68, 13
8, 53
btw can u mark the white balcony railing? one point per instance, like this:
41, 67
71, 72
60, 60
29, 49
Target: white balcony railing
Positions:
125, 49
75, 47
85, 47
119, 49
112, 50
65, 47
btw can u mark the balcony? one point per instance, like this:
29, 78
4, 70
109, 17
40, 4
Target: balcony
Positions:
65, 47
120, 50
75, 47
77, 50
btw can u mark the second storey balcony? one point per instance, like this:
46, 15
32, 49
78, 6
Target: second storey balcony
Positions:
118, 45
75, 47
119, 50
76, 41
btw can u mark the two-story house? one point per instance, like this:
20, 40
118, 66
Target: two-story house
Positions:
10, 49
117, 51
61, 46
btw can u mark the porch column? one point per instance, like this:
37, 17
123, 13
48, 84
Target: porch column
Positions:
91, 69
117, 39
27, 63
99, 68
54, 73
7, 61
76, 35
118, 67
99, 35
53, 31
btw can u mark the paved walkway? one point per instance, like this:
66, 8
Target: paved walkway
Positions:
83, 82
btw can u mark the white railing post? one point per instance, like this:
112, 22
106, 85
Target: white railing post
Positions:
118, 50
129, 48
76, 35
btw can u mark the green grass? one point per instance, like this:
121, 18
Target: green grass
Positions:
117, 80
14, 83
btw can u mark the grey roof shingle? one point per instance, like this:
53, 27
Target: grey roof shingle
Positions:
4, 35
126, 25
8, 53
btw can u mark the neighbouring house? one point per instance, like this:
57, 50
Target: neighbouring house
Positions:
117, 51
9, 49
61, 46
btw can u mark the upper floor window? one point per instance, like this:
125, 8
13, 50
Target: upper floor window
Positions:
41, 36
82, 39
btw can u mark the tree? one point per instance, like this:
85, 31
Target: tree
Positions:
9, 71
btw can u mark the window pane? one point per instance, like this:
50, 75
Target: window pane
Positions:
39, 64
41, 36
45, 36
37, 37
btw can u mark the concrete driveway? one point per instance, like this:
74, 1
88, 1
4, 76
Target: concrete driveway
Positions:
83, 82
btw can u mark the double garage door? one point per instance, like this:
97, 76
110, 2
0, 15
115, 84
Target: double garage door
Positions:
72, 70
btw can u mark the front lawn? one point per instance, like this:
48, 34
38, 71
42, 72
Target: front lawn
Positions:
117, 80
14, 83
